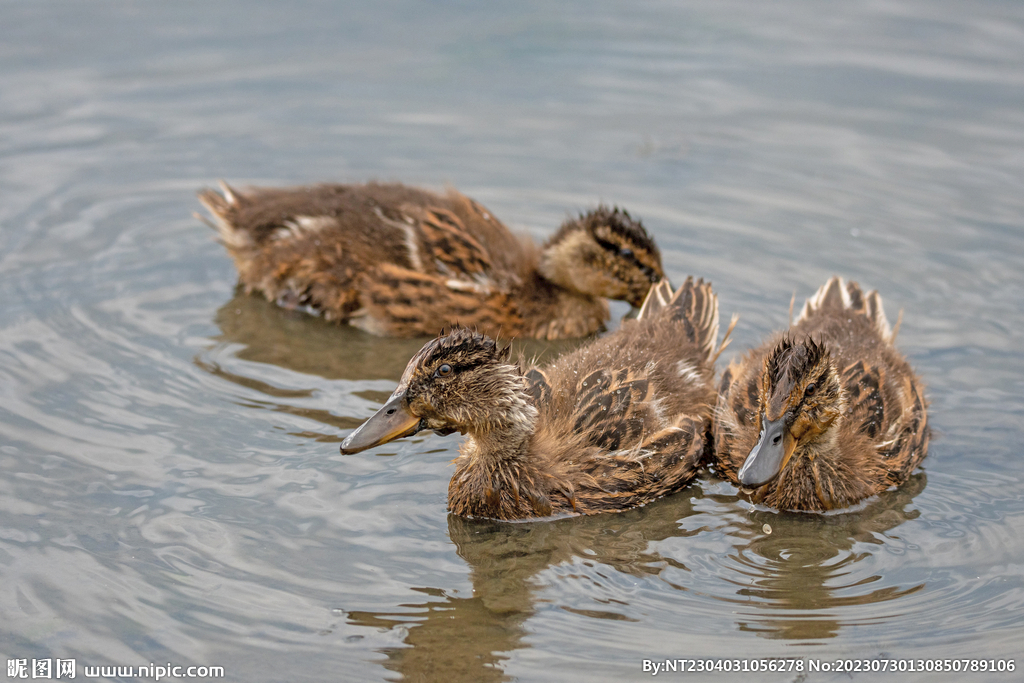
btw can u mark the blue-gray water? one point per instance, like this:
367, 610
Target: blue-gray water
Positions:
170, 485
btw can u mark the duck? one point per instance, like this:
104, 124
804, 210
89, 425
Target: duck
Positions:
399, 261
826, 413
617, 423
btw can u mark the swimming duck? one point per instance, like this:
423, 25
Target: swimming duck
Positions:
826, 413
400, 261
613, 425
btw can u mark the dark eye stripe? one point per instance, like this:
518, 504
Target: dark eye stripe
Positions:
819, 386
626, 253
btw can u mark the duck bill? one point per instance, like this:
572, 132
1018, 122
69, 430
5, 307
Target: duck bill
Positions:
769, 456
392, 421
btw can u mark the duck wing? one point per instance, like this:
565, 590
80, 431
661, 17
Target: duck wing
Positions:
637, 403
402, 302
373, 250
632, 452
889, 409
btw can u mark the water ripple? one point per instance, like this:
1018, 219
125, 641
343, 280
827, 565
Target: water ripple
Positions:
170, 485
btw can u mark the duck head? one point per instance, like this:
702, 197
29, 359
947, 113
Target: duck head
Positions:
462, 381
606, 253
799, 401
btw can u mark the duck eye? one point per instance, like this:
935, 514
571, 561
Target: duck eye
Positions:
811, 388
443, 371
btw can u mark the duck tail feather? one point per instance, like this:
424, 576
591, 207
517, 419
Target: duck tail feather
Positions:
657, 299
896, 327
223, 207
727, 338
696, 305
837, 295
876, 314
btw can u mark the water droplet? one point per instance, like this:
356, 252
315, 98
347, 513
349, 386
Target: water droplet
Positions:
767, 528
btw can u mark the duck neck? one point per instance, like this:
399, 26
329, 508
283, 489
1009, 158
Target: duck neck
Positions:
823, 456
824, 446
496, 475
503, 441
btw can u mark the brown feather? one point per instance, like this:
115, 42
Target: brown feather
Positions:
400, 261
613, 425
842, 343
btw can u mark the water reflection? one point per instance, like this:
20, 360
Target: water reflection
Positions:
796, 570
265, 337
467, 639
308, 345
789, 578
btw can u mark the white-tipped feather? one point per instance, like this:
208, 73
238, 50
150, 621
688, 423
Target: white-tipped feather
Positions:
412, 246
300, 225
477, 287
727, 337
219, 207
658, 298
229, 195
825, 295
875, 312
849, 296
700, 308
710, 316
688, 372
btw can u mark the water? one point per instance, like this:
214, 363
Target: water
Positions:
170, 486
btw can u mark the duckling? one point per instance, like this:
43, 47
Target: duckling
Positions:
826, 413
399, 261
613, 425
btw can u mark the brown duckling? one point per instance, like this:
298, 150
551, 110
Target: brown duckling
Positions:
826, 413
400, 261
613, 425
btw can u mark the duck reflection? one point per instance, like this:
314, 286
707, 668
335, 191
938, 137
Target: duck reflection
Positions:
797, 570
302, 343
793, 577
467, 639
295, 341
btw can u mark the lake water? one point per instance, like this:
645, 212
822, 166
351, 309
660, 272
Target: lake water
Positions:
170, 484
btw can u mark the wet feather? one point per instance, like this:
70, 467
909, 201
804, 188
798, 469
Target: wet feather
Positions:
399, 261
852, 404
608, 427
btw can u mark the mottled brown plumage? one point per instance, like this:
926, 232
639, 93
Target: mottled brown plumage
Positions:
826, 413
613, 425
399, 261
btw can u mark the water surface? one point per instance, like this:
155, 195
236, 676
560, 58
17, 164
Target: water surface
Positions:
170, 484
